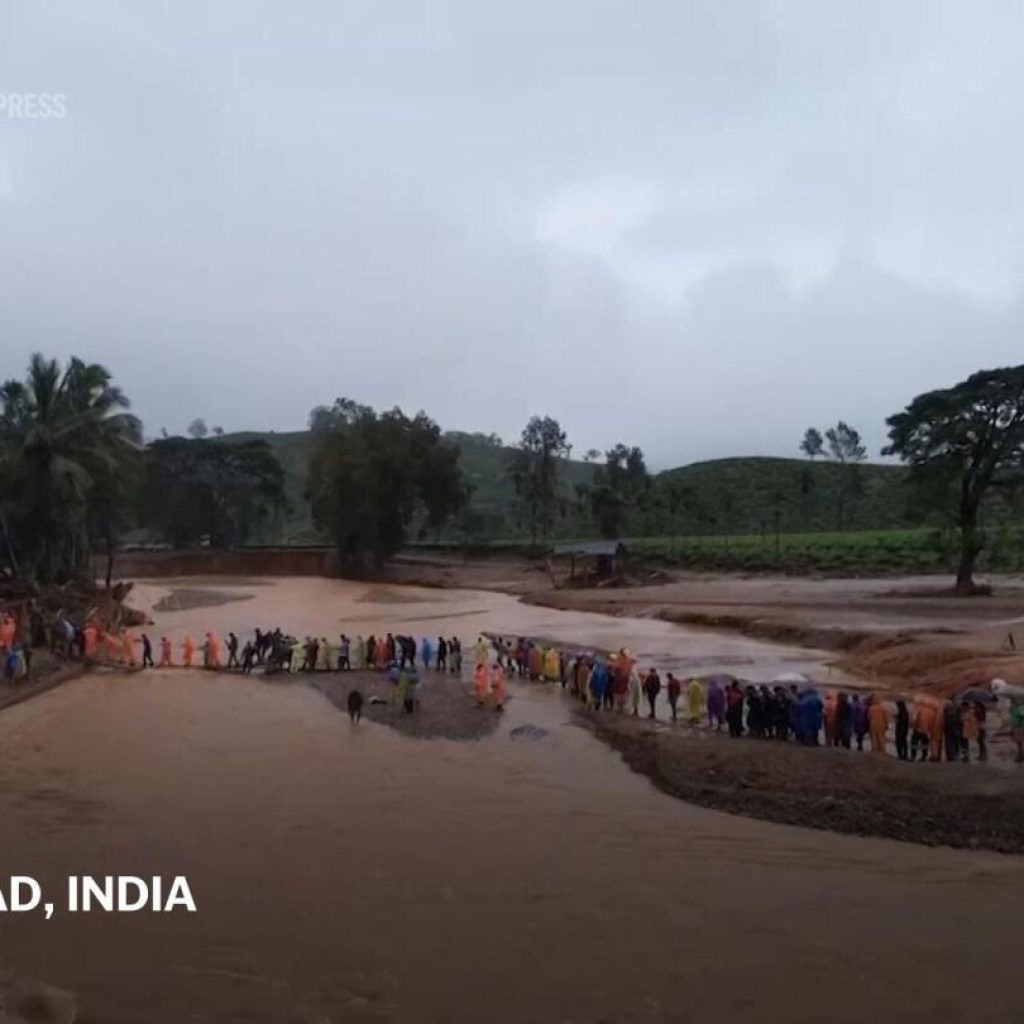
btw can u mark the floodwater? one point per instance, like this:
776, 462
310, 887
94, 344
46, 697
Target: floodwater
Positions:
351, 874
323, 607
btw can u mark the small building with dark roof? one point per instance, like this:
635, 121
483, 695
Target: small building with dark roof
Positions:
609, 555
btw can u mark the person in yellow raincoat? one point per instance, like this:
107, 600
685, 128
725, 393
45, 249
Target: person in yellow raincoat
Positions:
878, 724
188, 651
552, 665
480, 685
694, 701
481, 651
498, 687
165, 652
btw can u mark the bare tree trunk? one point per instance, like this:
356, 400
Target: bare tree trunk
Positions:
110, 559
971, 543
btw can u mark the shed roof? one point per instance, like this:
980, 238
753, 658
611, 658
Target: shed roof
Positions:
590, 547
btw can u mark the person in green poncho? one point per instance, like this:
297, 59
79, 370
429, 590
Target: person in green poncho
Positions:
1017, 727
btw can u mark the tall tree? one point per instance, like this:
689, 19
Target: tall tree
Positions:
372, 476
844, 443
619, 487
66, 440
846, 448
535, 473
221, 492
960, 443
197, 428
813, 444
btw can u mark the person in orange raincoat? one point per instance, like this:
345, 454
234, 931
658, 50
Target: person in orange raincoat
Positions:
480, 685
927, 726
165, 652
113, 646
830, 719
128, 647
188, 651
498, 687
214, 641
878, 724
90, 636
8, 632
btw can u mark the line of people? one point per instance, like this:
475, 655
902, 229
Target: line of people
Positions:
929, 730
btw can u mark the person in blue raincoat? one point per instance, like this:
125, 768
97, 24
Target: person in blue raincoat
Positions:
811, 711
426, 651
598, 682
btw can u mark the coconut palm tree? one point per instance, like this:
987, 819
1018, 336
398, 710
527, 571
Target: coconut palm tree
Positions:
66, 442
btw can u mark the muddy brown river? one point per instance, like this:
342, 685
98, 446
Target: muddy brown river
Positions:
351, 874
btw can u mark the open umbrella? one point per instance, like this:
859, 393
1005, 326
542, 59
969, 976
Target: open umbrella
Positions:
792, 677
979, 695
1001, 688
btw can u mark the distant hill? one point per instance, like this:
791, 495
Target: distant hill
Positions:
748, 495
738, 496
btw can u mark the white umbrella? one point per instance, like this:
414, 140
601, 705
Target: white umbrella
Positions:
1001, 688
792, 677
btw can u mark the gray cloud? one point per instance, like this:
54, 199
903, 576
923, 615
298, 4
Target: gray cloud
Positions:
697, 227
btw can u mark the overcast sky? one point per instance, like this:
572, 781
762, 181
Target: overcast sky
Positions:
695, 225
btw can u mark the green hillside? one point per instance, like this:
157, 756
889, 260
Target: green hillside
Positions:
757, 495
748, 496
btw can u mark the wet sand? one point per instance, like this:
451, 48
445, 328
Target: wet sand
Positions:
352, 874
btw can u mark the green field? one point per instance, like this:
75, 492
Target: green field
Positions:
861, 552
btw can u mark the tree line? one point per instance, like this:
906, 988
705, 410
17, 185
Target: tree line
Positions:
75, 474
